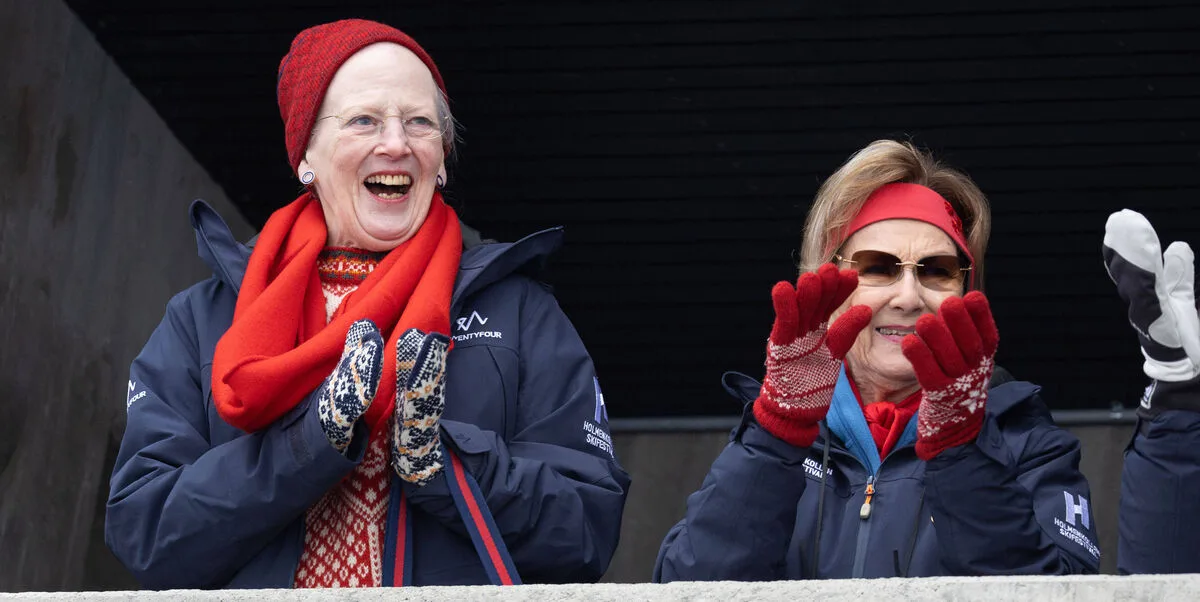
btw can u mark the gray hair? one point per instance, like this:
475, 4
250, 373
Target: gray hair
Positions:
450, 126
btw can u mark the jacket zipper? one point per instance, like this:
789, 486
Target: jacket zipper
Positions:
864, 528
864, 531
865, 511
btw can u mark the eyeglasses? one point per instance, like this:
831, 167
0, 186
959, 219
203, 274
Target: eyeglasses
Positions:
369, 125
876, 268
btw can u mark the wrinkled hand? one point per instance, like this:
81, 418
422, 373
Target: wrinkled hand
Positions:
804, 353
345, 396
953, 354
1159, 288
420, 400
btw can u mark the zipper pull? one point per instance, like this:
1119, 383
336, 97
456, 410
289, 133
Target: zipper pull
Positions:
865, 512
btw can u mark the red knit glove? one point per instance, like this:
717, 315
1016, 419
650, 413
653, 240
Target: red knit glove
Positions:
953, 354
803, 355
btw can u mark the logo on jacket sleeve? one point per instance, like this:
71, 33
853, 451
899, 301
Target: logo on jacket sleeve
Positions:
1148, 394
601, 409
594, 433
1077, 507
130, 398
1076, 514
465, 324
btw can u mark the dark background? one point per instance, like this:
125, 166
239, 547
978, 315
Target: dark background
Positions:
681, 142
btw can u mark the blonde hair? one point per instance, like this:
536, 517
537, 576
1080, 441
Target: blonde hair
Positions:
882, 162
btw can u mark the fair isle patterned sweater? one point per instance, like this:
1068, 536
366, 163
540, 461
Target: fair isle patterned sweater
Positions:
344, 530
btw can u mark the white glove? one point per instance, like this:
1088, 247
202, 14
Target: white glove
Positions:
1160, 290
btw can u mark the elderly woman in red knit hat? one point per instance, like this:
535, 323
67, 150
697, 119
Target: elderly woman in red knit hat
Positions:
881, 443
362, 399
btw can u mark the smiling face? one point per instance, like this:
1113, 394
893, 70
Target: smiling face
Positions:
875, 360
376, 180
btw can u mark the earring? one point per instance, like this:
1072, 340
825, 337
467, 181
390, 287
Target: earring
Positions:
439, 182
307, 178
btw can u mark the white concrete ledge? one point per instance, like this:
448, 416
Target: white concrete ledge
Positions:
983, 589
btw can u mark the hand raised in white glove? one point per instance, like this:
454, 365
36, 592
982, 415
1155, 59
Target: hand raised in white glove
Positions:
1159, 288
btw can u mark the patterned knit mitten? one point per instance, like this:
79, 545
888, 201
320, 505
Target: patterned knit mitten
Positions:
953, 354
804, 355
347, 393
420, 400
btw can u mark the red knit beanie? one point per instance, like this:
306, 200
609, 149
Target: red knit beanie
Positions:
309, 66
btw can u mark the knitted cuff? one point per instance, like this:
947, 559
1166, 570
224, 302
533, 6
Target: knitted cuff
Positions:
954, 435
952, 414
797, 429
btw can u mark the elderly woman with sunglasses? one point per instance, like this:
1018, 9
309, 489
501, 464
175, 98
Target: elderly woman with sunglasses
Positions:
304, 418
879, 443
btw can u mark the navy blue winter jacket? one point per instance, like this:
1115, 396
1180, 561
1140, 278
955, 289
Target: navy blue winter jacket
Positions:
1012, 502
1159, 516
197, 503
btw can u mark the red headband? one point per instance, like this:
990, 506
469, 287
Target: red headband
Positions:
912, 201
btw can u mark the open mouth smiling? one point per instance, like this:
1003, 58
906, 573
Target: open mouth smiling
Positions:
388, 186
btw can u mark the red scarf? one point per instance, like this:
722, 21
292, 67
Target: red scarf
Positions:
887, 420
279, 349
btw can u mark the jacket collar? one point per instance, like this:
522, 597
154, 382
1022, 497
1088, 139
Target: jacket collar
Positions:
482, 263
487, 263
847, 421
225, 256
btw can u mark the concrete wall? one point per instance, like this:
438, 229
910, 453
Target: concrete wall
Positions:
94, 238
1095, 588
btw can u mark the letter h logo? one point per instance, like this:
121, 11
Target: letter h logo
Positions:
1077, 506
601, 409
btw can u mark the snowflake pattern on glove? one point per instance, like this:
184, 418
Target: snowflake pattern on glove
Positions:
953, 355
960, 402
348, 391
421, 380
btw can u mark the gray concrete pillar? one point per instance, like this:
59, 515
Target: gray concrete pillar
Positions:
94, 238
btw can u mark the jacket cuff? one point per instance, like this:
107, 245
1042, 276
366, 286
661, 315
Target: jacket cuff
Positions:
434, 497
989, 441
456, 437
798, 432
466, 438
951, 435
750, 434
310, 444
1161, 396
